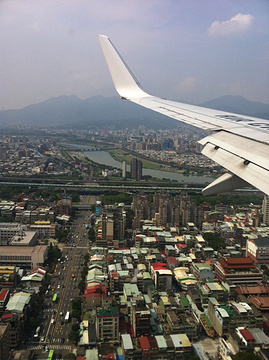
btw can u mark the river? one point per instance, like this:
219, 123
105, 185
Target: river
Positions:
103, 157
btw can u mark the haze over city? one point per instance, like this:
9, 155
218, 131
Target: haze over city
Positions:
186, 50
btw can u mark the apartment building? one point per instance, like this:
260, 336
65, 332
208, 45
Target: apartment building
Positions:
107, 323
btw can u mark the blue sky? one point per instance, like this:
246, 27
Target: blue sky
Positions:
188, 50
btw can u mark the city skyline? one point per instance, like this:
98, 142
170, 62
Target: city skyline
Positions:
195, 51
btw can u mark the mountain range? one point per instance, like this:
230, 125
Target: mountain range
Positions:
111, 112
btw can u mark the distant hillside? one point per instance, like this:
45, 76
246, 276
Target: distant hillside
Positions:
239, 105
112, 112
95, 112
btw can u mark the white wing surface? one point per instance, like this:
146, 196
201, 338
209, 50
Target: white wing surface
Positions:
237, 142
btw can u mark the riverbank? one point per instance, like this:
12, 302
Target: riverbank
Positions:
127, 155
103, 158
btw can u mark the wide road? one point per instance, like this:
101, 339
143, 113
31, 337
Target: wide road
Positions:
54, 329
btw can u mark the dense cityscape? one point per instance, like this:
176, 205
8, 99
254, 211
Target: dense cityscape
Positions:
170, 150
134, 180
133, 274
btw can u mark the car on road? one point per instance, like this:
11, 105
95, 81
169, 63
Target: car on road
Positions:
42, 339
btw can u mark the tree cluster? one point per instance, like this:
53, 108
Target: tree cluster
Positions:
111, 199
54, 253
214, 241
244, 355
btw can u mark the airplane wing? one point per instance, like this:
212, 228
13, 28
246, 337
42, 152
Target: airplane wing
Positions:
237, 142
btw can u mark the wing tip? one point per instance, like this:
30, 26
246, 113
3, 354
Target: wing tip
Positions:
124, 80
102, 36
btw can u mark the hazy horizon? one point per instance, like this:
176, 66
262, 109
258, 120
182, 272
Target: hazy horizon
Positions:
115, 96
189, 50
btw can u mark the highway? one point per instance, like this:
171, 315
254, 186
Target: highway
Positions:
132, 186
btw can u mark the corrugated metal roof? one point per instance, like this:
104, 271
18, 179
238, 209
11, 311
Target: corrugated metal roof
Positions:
146, 275
202, 266
241, 309
223, 313
184, 340
127, 341
18, 301
213, 300
259, 336
161, 342
144, 343
176, 341
165, 300
247, 335
3, 294
227, 309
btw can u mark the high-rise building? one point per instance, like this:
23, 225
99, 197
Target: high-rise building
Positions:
124, 169
167, 207
265, 210
188, 210
119, 219
107, 227
136, 169
141, 208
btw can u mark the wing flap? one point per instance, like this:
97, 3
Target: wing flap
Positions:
247, 149
226, 183
251, 173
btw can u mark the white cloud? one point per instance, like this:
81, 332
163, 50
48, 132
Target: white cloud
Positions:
237, 24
